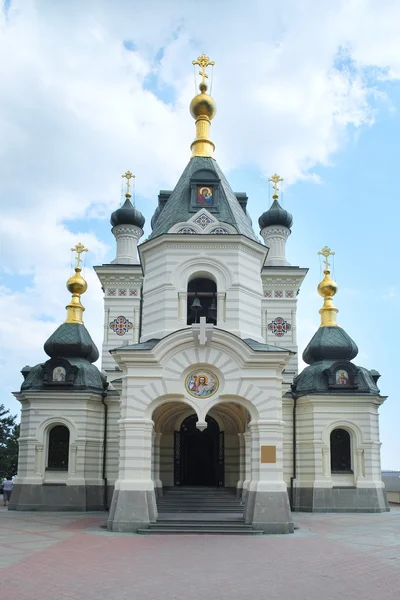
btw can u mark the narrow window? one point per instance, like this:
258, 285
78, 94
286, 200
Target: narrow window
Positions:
58, 448
340, 451
201, 300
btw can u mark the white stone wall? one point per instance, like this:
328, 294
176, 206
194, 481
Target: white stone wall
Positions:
83, 414
317, 416
122, 286
233, 262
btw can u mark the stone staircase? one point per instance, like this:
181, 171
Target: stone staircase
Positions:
200, 510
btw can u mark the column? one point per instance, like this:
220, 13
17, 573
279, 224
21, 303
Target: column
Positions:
221, 318
242, 466
247, 463
134, 505
268, 497
156, 451
182, 317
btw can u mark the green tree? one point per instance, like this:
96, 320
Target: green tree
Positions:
9, 434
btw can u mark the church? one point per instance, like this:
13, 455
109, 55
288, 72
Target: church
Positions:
198, 419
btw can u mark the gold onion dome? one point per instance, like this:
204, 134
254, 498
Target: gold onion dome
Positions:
203, 109
77, 286
327, 288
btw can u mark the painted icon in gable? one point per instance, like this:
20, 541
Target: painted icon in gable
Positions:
205, 195
342, 377
59, 374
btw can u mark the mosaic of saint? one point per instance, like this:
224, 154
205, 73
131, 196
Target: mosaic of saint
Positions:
59, 374
342, 377
205, 195
201, 384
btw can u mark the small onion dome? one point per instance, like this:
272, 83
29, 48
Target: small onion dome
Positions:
71, 340
127, 215
276, 215
330, 343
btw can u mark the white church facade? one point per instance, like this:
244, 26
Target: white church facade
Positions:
199, 394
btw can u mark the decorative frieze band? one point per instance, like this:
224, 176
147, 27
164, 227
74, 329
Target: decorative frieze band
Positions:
279, 293
124, 292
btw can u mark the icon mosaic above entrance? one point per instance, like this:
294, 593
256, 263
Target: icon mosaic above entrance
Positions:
201, 384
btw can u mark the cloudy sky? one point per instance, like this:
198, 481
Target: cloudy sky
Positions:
310, 89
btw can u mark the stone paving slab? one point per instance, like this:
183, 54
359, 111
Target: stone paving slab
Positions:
329, 556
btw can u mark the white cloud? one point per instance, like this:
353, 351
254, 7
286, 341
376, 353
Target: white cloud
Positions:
77, 109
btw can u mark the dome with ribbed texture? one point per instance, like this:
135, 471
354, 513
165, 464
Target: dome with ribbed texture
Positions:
330, 343
127, 215
276, 215
71, 340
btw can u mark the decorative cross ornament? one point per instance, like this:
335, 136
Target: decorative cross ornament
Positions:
326, 252
203, 61
279, 327
79, 248
128, 175
275, 179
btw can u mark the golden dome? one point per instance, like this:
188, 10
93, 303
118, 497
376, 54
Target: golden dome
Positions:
327, 288
203, 105
76, 284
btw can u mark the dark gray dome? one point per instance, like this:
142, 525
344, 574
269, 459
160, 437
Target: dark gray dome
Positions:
276, 215
127, 215
71, 340
88, 378
330, 343
314, 380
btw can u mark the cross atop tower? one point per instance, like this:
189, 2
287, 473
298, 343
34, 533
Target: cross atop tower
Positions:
128, 175
79, 248
326, 252
203, 61
275, 179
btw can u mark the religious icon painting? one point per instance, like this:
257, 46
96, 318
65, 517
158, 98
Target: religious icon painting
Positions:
59, 374
205, 195
201, 384
342, 377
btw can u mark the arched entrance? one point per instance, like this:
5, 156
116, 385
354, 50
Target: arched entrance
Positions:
199, 455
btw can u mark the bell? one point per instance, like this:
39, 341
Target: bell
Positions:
196, 305
212, 312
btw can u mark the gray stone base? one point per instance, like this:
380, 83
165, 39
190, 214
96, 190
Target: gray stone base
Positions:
269, 511
132, 510
57, 497
340, 499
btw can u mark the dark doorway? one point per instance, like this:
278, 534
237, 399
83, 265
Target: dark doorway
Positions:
201, 301
199, 455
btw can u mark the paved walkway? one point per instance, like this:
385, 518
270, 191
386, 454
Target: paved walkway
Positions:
53, 556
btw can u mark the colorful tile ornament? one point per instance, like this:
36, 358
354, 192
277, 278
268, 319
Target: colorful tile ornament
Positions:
203, 220
186, 230
122, 292
121, 325
278, 294
132, 292
112, 292
268, 294
289, 294
279, 327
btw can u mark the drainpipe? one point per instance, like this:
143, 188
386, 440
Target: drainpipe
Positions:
293, 451
105, 502
141, 312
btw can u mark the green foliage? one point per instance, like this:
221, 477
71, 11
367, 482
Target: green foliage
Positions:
9, 434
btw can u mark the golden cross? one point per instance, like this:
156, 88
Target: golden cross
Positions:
203, 61
326, 252
79, 248
275, 179
128, 175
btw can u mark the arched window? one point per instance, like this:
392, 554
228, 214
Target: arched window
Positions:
201, 300
340, 451
58, 448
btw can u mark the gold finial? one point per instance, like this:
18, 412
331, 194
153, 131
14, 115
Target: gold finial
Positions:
77, 286
275, 179
203, 109
128, 175
327, 289
203, 61
326, 252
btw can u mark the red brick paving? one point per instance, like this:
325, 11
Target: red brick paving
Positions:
308, 565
